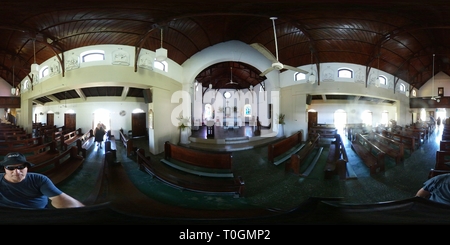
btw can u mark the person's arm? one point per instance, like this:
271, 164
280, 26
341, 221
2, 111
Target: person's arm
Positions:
423, 193
65, 201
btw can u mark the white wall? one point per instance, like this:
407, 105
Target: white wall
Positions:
84, 112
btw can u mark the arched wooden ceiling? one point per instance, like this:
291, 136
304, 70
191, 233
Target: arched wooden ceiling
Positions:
403, 34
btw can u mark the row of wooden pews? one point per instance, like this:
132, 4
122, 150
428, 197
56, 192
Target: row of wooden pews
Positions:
45, 155
442, 164
393, 149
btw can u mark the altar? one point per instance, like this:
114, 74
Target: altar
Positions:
233, 121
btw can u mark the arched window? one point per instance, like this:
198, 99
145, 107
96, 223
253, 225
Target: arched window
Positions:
402, 87
161, 65
299, 76
367, 118
208, 111
92, 55
345, 73
382, 79
26, 84
385, 118
45, 71
423, 115
247, 110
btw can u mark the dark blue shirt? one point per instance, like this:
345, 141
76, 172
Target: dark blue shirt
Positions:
32, 192
439, 188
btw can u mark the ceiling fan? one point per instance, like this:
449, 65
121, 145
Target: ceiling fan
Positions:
276, 64
231, 78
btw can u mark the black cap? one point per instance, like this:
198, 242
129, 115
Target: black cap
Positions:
14, 158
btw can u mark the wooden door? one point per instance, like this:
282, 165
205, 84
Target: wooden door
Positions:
70, 122
50, 119
138, 124
312, 119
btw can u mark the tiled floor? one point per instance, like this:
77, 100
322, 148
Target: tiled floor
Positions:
271, 186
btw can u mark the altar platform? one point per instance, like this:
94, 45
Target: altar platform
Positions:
231, 139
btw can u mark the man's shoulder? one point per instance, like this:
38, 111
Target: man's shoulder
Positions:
37, 175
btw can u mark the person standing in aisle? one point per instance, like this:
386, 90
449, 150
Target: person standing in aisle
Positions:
99, 133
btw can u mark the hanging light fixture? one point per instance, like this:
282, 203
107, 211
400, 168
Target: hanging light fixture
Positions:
377, 80
13, 89
432, 85
312, 77
34, 66
161, 53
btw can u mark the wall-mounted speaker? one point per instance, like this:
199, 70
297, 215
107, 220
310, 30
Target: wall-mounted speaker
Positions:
308, 99
269, 111
147, 96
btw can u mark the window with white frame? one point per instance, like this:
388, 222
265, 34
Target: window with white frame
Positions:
299, 76
45, 71
26, 84
382, 79
345, 73
92, 55
402, 87
161, 65
247, 110
208, 111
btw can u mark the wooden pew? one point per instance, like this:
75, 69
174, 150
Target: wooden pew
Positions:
436, 172
11, 129
127, 143
446, 136
9, 126
370, 154
36, 154
211, 164
15, 136
110, 145
41, 153
325, 132
62, 166
444, 145
70, 138
351, 129
282, 150
85, 141
409, 142
442, 160
392, 148
336, 163
40, 131
14, 144
420, 133
299, 159
226, 185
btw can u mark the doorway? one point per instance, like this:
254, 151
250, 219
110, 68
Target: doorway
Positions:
340, 120
101, 116
441, 113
